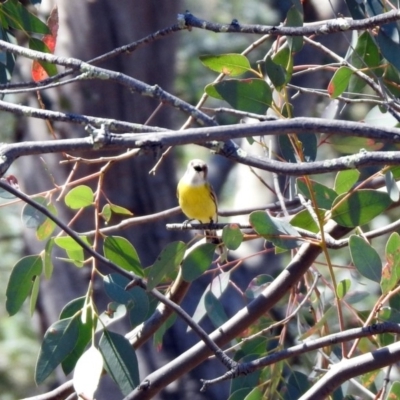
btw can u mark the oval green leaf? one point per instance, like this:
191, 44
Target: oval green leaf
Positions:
197, 261
121, 252
232, 236
345, 180
339, 82
228, 64
324, 195
273, 229
360, 207
79, 197
166, 263
365, 258
215, 311
31, 217
250, 95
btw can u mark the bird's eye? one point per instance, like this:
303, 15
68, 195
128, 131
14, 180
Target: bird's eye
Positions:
198, 168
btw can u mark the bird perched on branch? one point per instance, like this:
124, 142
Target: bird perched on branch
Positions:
196, 196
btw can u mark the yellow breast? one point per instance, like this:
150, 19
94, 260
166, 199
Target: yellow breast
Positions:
197, 202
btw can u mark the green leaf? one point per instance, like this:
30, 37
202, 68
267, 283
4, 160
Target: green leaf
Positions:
228, 64
365, 258
394, 391
167, 262
345, 180
255, 394
392, 79
73, 307
359, 208
365, 55
59, 340
215, 311
351, 145
73, 249
120, 361
46, 229
158, 336
120, 210
31, 217
391, 186
21, 282
297, 385
18, 17
304, 220
391, 269
276, 73
324, 196
79, 197
272, 229
47, 262
343, 287
121, 252
250, 95
106, 212
197, 261
38, 45
135, 299
232, 236
388, 42
217, 287
339, 82
309, 142
34, 294
294, 17
85, 334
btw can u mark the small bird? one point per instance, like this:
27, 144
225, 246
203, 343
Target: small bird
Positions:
196, 196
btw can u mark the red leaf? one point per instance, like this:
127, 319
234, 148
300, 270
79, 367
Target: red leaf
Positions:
38, 72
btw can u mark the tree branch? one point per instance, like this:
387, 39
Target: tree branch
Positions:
318, 28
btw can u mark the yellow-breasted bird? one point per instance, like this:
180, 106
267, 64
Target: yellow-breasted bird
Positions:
196, 196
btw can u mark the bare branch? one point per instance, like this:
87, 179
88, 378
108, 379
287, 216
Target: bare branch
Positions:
319, 28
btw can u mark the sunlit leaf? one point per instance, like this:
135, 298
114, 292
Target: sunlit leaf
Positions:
345, 180
121, 252
87, 373
228, 64
18, 17
251, 95
305, 220
343, 287
339, 82
359, 208
167, 261
79, 197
